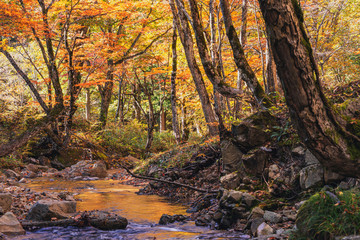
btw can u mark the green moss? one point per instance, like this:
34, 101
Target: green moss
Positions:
354, 151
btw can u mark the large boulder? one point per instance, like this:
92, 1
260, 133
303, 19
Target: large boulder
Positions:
10, 225
255, 161
87, 168
104, 220
231, 156
248, 136
45, 210
5, 201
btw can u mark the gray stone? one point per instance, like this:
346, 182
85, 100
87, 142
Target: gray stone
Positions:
310, 159
231, 156
274, 171
264, 229
255, 162
257, 212
255, 223
45, 210
11, 174
10, 225
298, 151
88, 168
330, 176
235, 196
5, 201
248, 136
311, 176
272, 217
230, 181
249, 200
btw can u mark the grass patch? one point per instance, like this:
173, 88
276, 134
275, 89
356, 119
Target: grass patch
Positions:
325, 216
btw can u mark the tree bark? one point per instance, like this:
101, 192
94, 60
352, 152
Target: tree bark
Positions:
106, 93
247, 74
183, 29
175, 123
270, 71
322, 131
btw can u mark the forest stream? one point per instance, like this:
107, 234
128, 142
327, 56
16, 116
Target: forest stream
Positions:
142, 211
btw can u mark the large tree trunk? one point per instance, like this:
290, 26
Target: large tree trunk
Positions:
183, 28
323, 132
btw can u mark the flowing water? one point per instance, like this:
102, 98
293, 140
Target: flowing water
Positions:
142, 211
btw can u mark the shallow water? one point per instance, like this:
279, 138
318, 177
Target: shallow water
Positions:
142, 211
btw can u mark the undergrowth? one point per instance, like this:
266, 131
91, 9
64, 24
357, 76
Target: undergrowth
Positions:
326, 215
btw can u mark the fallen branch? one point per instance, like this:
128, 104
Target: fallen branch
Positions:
169, 182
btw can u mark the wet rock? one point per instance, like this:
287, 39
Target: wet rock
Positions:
166, 219
204, 220
10, 225
5, 201
264, 229
45, 210
104, 220
311, 176
230, 181
11, 174
272, 217
255, 161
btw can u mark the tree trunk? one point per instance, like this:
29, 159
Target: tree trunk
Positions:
106, 93
247, 74
163, 121
183, 29
270, 71
323, 132
175, 123
88, 104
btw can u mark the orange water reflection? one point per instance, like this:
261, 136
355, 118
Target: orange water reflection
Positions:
114, 196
